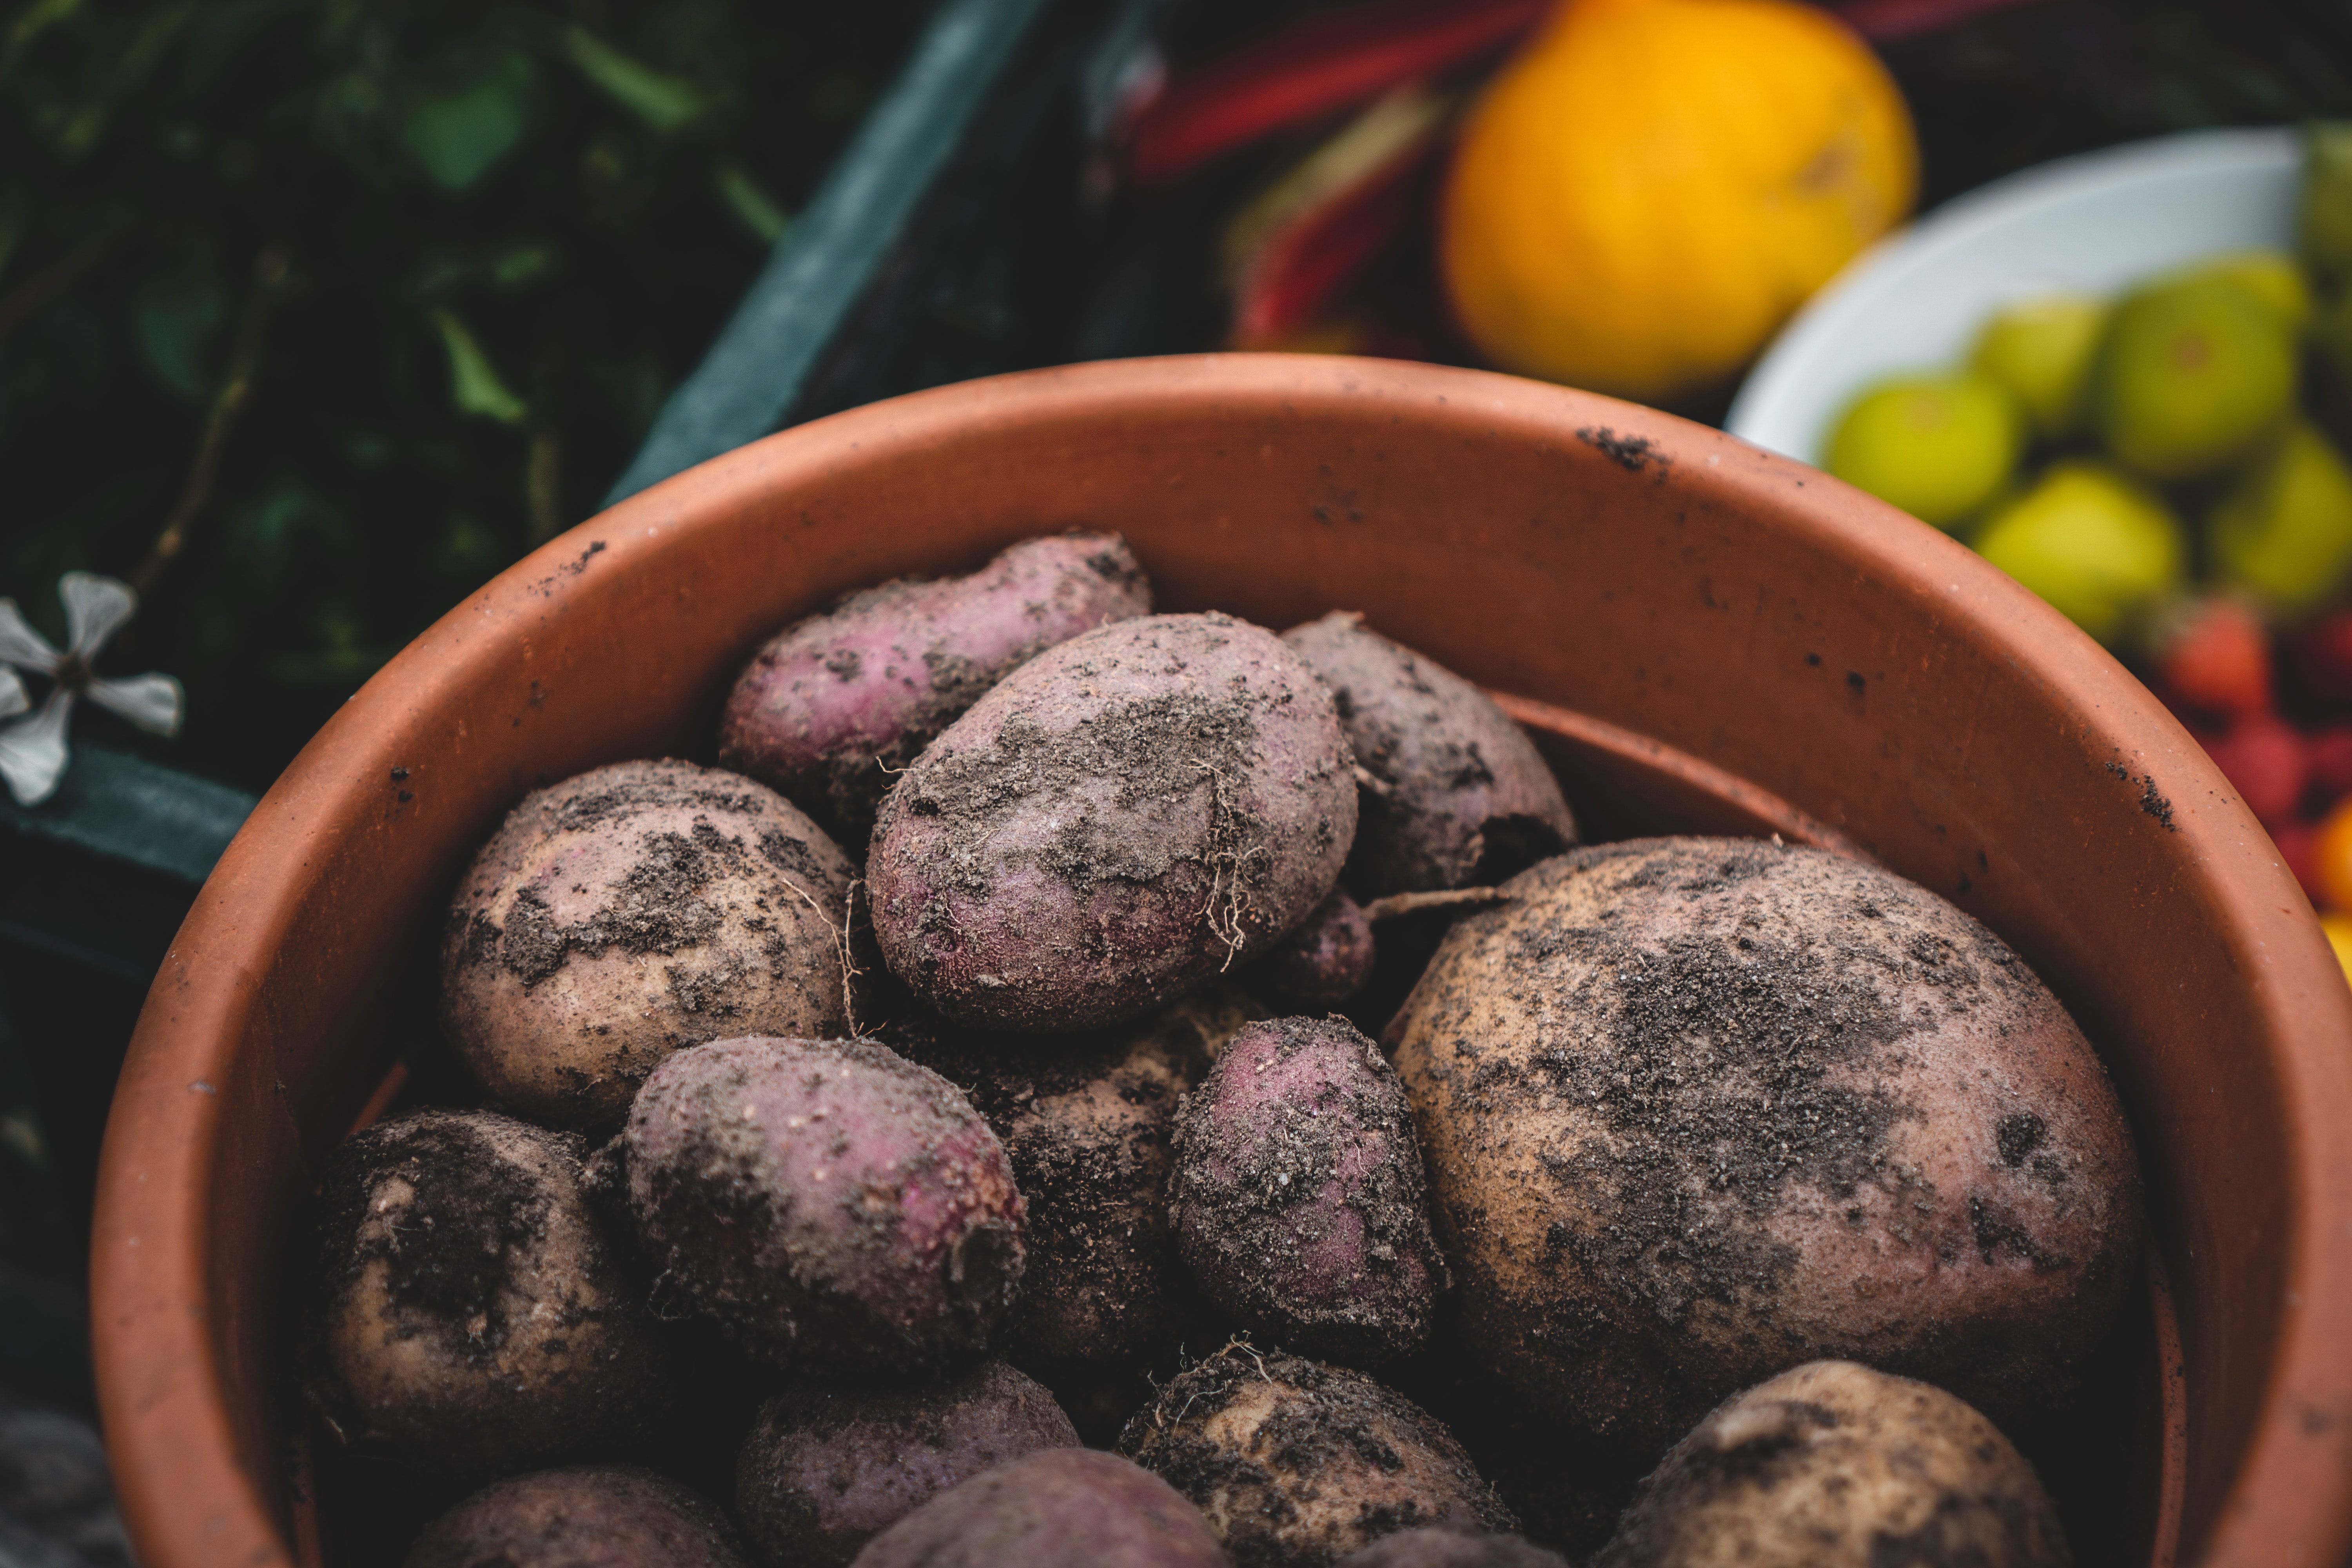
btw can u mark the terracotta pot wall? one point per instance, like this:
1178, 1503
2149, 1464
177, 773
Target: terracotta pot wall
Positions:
1648, 571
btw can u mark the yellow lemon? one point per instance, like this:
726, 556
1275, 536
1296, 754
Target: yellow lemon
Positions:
1645, 195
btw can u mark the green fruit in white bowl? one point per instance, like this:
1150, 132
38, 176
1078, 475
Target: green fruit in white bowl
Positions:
2041, 350
2284, 529
2190, 377
2272, 276
2099, 547
1938, 445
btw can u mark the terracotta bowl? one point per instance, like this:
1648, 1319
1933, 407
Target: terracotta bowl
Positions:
1747, 643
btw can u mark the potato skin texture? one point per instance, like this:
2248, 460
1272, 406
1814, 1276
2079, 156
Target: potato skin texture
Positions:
1296, 1463
1298, 1199
1696, 1109
1088, 1122
604, 1517
1833, 1465
1462, 795
1435, 1548
628, 912
1122, 817
833, 706
1063, 1507
472, 1317
834, 1207
1326, 960
822, 1474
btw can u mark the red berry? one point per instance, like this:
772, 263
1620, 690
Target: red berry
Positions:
2219, 660
2330, 748
2266, 762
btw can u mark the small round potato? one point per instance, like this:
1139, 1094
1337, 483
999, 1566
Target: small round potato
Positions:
1122, 818
835, 1208
1296, 1463
1696, 1109
632, 910
599, 1518
1297, 1199
470, 1315
824, 1473
1835, 1466
1459, 794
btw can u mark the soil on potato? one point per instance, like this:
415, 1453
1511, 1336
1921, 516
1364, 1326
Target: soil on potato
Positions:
1164, 749
1326, 1421
1246, 1170
1793, 1017
472, 1210
1723, 1068
656, 907
1087, 1123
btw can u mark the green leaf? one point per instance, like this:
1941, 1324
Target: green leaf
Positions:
750, 202
175, 322
663, 102
474, 383
458, 132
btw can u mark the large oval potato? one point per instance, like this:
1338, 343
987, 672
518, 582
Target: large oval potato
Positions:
1697, 1109
632, 910
1118, 820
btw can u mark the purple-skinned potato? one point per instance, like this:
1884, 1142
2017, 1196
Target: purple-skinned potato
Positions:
1119, 819
835, 705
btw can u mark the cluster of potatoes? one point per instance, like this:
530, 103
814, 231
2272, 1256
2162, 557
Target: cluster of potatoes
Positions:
1030, 1188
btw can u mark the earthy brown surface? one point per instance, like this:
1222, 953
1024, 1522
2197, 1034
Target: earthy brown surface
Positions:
823, 1473
1066, 1508
1457, 794
469, 1316
832, 708
1686, 600
1087, 1122
1835, 1466
1297, 1464
835, 1208
632, 910
1699, 1108
579, 1519
1122, 818
1298, 1199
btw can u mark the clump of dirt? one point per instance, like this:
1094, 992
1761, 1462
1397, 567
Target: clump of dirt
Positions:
467, 1213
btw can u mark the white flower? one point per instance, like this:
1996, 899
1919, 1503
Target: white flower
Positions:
33, 750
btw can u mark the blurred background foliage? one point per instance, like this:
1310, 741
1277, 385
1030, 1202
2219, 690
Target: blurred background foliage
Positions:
372, 296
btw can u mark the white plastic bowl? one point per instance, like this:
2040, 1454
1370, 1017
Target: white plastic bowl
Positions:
2096, 223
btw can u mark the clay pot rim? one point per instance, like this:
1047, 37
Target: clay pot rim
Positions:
162, 1381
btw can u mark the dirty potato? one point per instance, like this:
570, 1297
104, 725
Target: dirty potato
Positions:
1297, 1464
634, 909
1697, 1110
1122, 818
1835, 1466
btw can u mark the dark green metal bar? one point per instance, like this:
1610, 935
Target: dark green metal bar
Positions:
118, 805
747, 382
